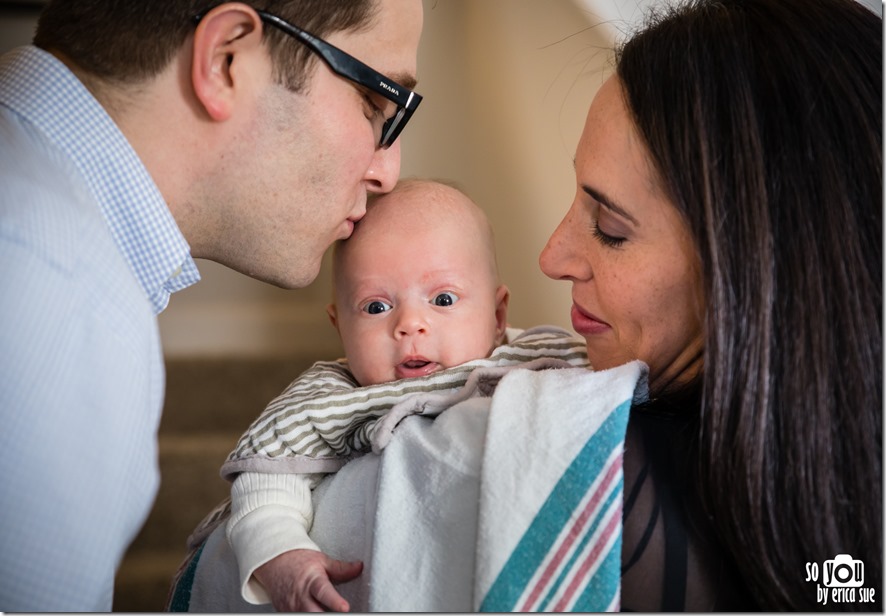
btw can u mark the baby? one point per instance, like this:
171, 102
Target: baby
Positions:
418, 304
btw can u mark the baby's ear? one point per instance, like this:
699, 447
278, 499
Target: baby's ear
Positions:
333, 315
502, 296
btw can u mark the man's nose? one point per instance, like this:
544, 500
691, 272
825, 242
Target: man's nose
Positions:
384, 170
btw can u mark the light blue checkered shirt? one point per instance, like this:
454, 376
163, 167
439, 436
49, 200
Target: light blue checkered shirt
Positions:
89, 255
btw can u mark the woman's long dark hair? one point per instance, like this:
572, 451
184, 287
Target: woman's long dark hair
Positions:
764, 121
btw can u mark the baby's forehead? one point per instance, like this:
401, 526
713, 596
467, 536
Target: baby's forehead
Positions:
425, 225
419, 208
429, 200
416, 216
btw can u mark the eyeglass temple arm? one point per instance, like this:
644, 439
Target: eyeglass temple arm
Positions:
346, 65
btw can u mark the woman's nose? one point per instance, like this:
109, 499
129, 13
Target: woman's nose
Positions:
565, 256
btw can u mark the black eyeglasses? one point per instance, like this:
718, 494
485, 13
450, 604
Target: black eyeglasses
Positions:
352, 69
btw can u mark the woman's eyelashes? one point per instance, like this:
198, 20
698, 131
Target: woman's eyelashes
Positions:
608, 227
612, 241
612, 233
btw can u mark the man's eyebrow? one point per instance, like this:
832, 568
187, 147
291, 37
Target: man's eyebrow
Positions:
404, 79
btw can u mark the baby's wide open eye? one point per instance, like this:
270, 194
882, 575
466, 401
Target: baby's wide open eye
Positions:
376, 307
447, 298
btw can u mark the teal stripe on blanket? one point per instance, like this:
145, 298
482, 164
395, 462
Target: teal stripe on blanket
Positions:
605, 585
181, 591
595, 525
555, 513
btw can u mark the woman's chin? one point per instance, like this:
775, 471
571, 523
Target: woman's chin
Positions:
601, 360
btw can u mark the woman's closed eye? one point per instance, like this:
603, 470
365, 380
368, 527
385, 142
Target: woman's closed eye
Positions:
609, 228
612, 241
612, 223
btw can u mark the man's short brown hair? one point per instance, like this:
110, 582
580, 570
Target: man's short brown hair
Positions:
126, 41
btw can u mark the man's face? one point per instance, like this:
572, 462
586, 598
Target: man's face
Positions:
307, 160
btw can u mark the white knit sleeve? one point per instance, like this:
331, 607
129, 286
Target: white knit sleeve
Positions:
270, 514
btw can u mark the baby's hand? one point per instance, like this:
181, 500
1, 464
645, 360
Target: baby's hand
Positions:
301, 581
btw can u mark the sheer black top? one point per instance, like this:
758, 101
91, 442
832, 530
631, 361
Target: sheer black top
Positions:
671, 558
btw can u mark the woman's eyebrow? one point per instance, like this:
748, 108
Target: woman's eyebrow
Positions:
608, 203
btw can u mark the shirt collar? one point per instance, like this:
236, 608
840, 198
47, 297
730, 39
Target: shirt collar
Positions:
41, 89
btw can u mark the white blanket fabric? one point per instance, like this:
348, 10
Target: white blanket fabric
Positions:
499, 504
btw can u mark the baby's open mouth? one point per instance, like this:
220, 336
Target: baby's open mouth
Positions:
416, 363
414, 367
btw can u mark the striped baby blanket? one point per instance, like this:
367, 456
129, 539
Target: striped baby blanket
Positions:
503, 503
508, 503
323, 418
549, 536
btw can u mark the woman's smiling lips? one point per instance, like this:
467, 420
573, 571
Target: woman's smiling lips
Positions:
586, 323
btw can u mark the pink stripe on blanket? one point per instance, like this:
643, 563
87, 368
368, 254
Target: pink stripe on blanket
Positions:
579, 579
560, 552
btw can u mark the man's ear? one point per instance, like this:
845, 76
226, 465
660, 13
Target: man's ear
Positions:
226, 34
502, 296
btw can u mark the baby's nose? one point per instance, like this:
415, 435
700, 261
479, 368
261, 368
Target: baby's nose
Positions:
410, 323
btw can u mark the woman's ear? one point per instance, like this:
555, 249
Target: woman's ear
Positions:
502, 296
228, 34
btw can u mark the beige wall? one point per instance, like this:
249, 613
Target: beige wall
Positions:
506, 85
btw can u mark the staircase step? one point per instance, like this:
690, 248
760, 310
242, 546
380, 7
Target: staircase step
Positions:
143, 583
209, 403
219, 394
190, 486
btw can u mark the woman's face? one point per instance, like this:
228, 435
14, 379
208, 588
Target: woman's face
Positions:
636, 283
